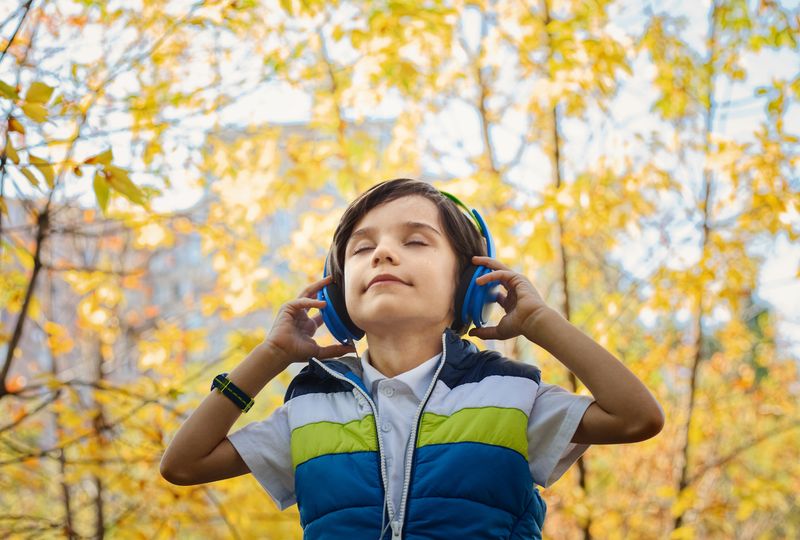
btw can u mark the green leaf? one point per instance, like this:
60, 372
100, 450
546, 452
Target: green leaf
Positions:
35, 111
39, 93
101, 191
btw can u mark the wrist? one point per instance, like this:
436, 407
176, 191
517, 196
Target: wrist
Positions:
269, 353
532, 328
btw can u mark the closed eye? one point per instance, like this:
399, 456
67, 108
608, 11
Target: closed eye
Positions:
417, 242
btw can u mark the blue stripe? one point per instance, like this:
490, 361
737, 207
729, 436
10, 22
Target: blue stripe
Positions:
494, 476
446, 518
335, 482
347, 524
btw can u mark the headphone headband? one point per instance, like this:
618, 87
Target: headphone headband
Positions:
462, 205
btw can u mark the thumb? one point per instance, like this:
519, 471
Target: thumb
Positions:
484, 332
332, 351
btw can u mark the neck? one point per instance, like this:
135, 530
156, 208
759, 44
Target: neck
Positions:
393, 353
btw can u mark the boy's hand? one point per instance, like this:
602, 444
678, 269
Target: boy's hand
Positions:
292, 331
522, 302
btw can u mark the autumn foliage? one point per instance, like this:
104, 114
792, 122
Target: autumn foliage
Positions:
638, 163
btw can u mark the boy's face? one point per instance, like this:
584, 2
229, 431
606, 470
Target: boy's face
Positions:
421, 257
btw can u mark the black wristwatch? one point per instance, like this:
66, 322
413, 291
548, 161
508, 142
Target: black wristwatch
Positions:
233, 392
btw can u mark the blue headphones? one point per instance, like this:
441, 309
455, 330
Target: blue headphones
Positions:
472, 301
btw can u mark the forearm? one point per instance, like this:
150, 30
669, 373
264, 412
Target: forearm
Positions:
615, 388
209, 424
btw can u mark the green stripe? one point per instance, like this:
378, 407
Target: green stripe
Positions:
499, 426
320, 438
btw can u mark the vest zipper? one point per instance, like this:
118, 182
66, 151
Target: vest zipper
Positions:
341, 377
397, 533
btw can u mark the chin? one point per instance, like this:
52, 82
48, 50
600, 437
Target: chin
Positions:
381, 318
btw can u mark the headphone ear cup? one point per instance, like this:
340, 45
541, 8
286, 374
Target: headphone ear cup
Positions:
479, 298
460, 322
334, 314
337, 304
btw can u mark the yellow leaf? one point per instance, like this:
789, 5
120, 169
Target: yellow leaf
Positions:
39, 92
35, 111
685, 500
119, 180
15, 125
45, 168
30, 176
287, 6
103, 157
8, 91
9, 149
52, 382
685, 532
745, 510
101, 191
58, 338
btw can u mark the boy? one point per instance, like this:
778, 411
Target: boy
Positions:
423, 435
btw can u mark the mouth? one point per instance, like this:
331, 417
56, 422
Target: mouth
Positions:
387, 282
384, 282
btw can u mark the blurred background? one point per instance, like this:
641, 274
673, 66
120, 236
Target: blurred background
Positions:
172, 172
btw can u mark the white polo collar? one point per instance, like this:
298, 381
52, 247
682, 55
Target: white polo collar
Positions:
418, 378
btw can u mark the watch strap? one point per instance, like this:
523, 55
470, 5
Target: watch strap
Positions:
226, 387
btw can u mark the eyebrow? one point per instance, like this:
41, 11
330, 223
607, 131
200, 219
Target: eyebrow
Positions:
407, 225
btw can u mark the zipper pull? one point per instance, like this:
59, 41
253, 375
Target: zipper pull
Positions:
395, 529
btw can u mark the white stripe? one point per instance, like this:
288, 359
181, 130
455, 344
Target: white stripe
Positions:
493, 391
326, 407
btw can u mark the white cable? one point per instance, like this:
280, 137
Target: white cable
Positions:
383, 517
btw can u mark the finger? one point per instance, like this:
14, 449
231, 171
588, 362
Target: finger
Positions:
503, 276
490, 262
317, 319
500, 298
332, 351
307, 303
486, 332
311, 290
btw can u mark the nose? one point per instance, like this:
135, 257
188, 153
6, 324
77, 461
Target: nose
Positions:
382, 252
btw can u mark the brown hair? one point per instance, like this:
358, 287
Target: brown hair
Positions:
460, 230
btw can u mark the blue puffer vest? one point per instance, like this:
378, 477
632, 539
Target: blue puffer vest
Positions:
466, 473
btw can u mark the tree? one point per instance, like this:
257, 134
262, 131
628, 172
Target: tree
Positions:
598, 140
